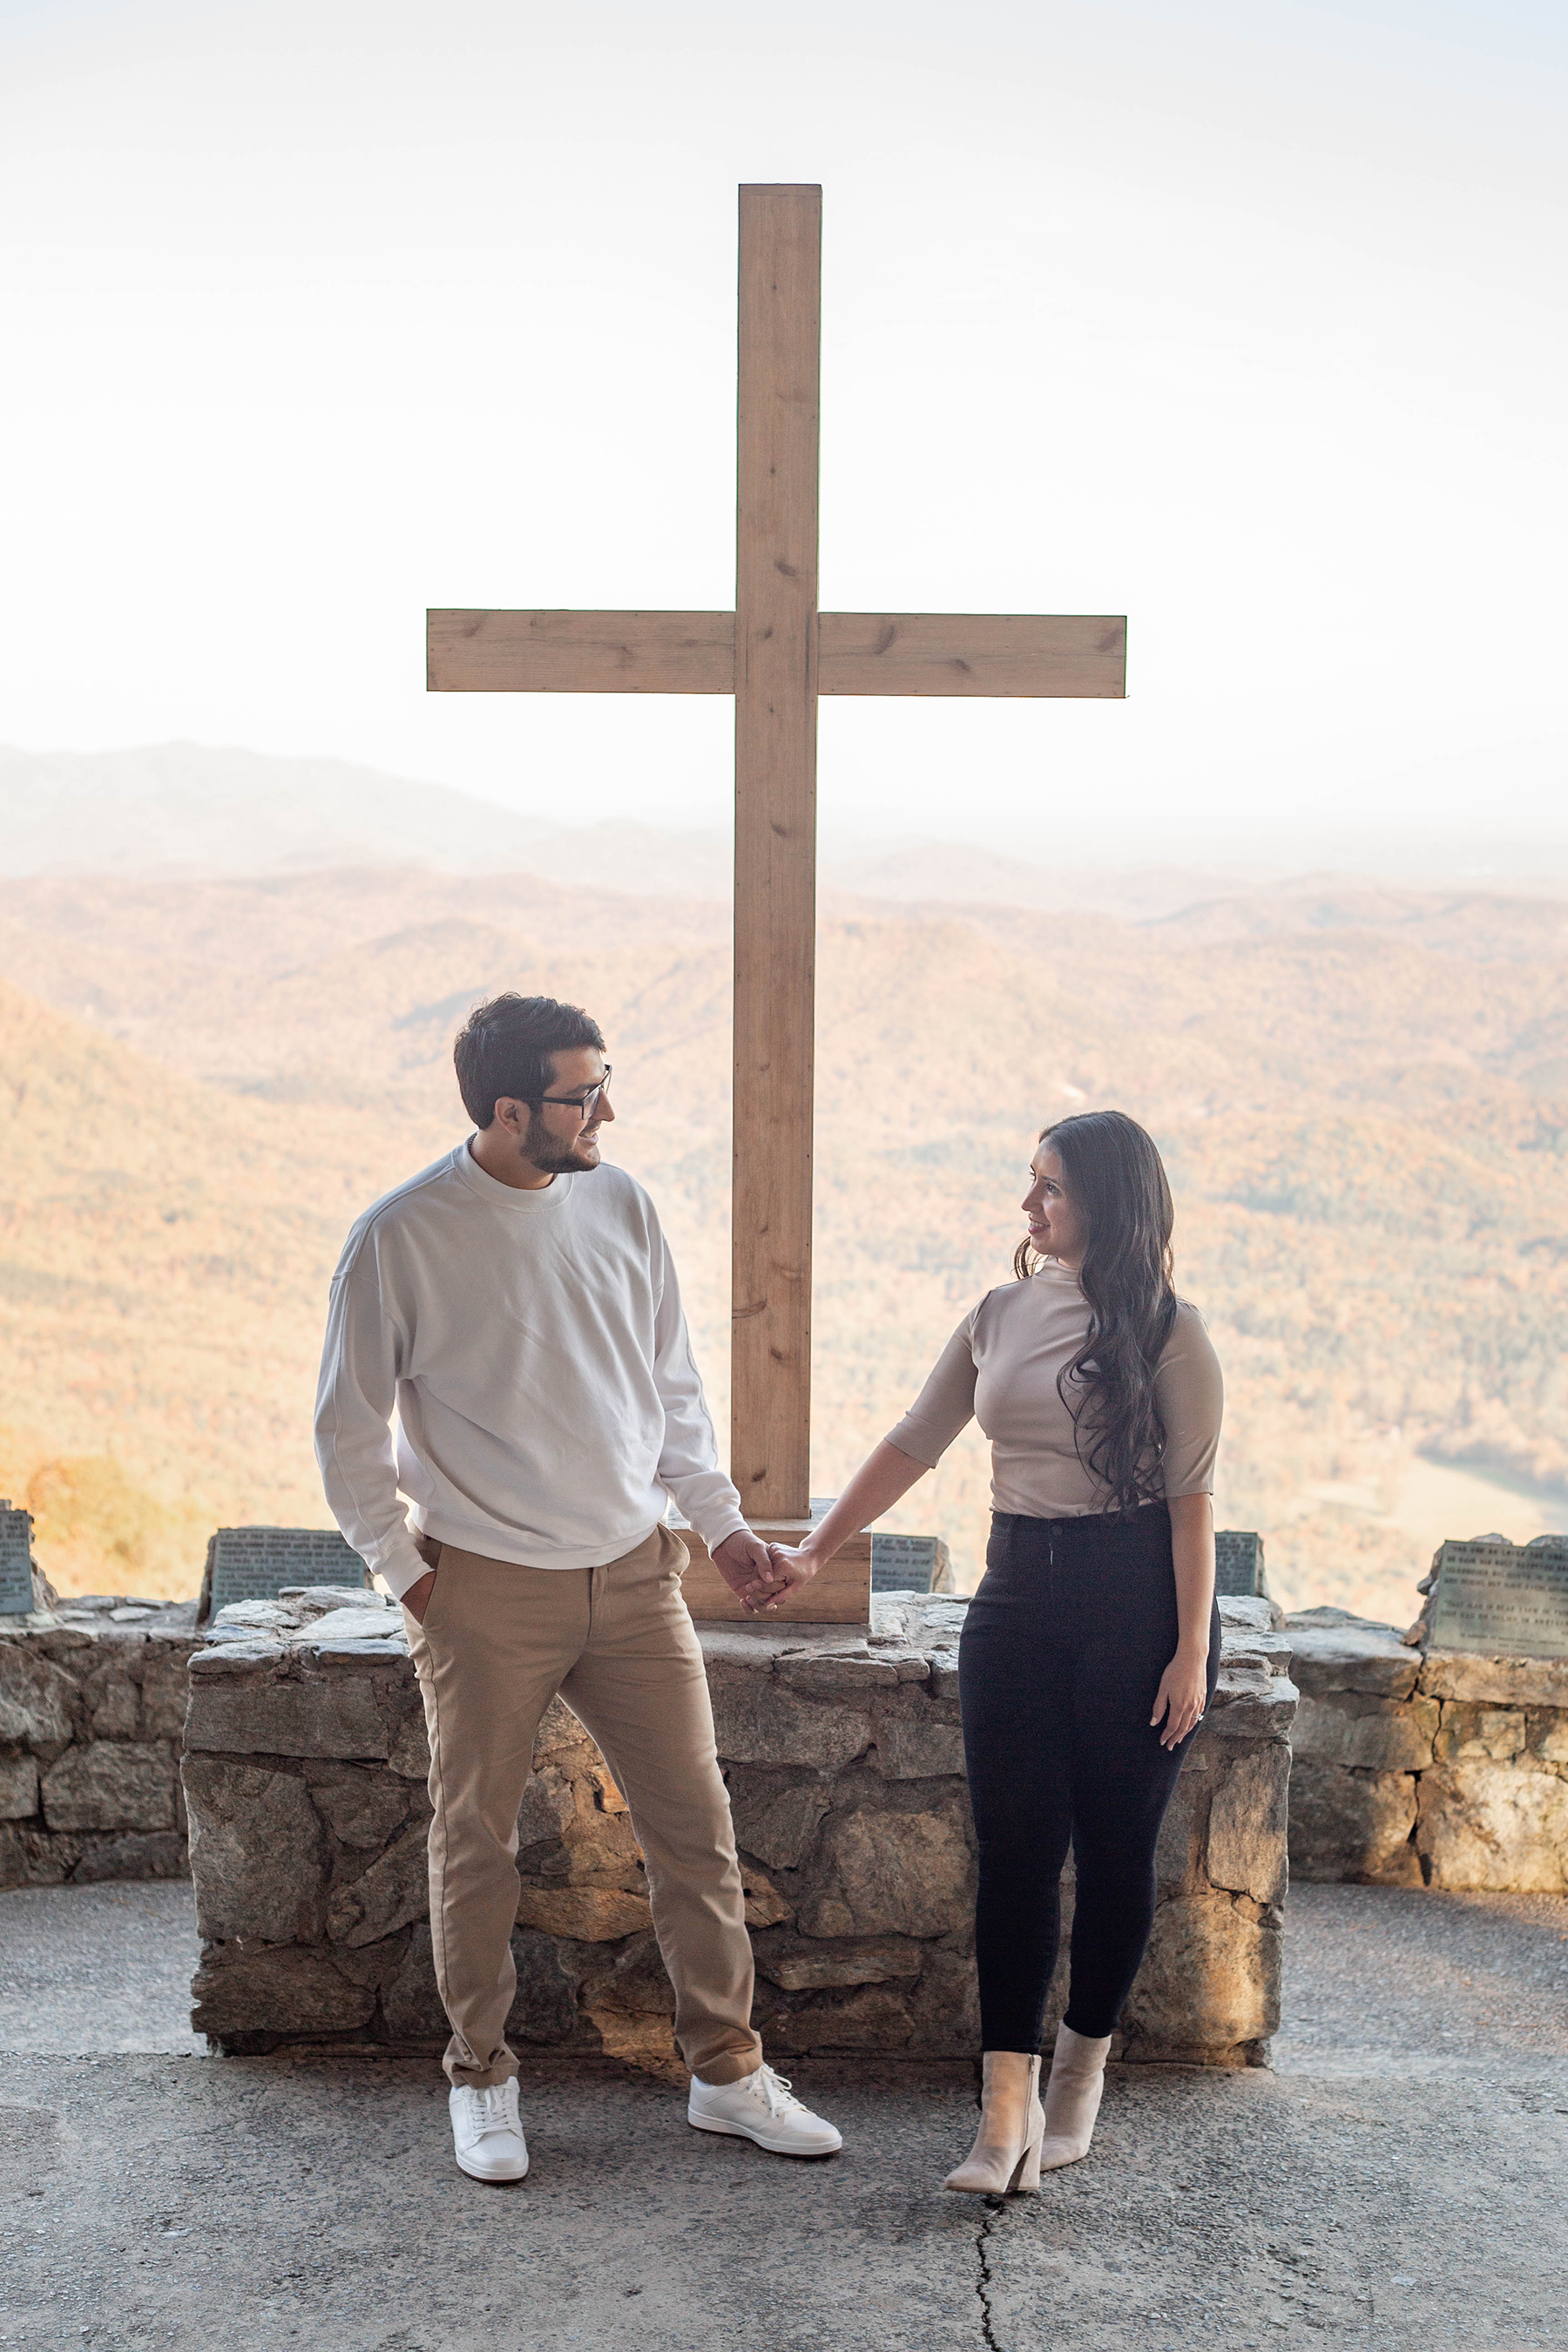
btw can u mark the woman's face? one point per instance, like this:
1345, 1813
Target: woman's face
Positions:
1056, 1229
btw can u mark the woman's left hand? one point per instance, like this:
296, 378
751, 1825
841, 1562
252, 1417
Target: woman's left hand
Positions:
1183, 1695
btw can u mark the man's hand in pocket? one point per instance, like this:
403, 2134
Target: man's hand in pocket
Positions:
417, 1600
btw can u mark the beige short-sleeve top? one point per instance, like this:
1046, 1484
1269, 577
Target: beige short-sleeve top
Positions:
1000, 1368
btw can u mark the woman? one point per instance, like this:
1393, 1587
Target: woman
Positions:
1090, 1650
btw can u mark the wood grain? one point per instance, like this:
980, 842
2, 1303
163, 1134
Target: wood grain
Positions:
580, 653
838, 1594
971, 653
775, 845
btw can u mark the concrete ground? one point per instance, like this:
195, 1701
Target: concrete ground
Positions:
1397, 2182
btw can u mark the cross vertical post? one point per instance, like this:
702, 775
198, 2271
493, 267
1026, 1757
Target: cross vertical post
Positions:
775, 846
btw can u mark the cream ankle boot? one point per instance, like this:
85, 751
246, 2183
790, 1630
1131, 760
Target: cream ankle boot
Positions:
1007, 2152
1072, 2097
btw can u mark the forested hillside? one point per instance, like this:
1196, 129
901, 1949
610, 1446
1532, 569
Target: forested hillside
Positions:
1363, 1097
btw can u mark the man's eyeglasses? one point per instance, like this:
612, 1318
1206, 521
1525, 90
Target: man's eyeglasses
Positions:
587, 1104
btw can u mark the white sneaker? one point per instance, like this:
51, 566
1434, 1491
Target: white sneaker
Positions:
761, 2106
487, 2136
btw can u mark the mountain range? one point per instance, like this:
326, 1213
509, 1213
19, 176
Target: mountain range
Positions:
199, 810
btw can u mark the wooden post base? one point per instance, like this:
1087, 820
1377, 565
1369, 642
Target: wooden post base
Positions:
838, 1594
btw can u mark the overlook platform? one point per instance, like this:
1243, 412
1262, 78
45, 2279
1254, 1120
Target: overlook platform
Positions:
1392, 2181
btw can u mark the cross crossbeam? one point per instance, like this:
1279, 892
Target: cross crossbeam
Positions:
990, 654
776, 654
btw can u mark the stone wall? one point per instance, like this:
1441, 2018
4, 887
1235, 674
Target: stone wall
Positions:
304, 1776
92, 1708
1428, 1767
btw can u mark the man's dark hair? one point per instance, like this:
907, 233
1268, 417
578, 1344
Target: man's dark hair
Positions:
508, 1046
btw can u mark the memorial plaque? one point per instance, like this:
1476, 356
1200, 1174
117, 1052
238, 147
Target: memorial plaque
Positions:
15, 1560
258, 1563
907, 1563
1502, 1600
1238, 1564
899, 1563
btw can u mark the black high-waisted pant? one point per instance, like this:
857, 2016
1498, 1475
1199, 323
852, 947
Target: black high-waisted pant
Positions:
1065, 1643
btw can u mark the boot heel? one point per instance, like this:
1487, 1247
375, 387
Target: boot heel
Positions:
1027, 2179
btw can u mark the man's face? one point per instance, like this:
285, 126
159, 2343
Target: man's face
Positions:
558, 1138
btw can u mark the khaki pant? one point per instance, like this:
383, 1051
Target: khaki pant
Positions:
497, 1644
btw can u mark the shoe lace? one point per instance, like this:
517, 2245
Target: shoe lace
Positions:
780, 2096
491, 2110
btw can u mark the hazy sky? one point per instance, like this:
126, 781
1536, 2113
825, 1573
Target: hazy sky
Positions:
1246, 320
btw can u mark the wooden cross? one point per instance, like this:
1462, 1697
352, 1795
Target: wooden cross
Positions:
776, 652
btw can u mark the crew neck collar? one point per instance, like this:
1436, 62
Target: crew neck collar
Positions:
528, 1201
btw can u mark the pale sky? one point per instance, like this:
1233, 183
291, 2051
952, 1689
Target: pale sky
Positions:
1247, 319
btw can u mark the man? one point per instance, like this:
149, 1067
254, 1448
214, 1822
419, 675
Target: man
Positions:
516, 1305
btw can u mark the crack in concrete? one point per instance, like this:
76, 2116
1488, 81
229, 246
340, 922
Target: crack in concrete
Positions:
983, 2282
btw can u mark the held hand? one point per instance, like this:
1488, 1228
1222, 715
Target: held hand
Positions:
743, 1561
417, 1600
792, 1568
1183, 1696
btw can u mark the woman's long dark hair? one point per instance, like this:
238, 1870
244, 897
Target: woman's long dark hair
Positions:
1118, 1185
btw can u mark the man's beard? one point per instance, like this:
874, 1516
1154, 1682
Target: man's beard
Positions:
541, 1146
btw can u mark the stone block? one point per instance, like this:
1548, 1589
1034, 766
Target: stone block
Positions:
1247, 1822
1270, 1653
633, 1979
111, 1698
796, 1964
1473, 1734
945, 2006
1492, 1825
19, 1859
258, 1854
151, 1854
875, 2018
1549, 1736
38, 1699
1183, 1833
917, 1739
755, 1722
1245, 1613
408, 1752
562, 1740
410, 2003
853, 1674
549, 1807
778, 1824
765, 1906
348, 1627
393, 1891
165, 1690
545, 2012
1249, 1704
898, 1873
109, 1785
648, 2043
1495, 1681
242, 1716
18, 1788
362, 1809
1352, 1826
592, 1915
1209, 1982
1332, 1651
275, 1988
1372, 1735
627, 2001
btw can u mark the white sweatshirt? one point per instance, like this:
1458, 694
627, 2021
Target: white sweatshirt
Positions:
533, 1348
